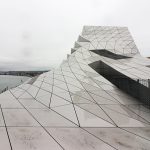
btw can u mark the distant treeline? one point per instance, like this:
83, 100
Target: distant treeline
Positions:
23, 73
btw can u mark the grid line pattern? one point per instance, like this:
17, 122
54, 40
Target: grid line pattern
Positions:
74, 107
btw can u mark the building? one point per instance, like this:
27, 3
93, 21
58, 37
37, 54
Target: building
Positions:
96, 100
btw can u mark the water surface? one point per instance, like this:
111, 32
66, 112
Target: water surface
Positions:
11, 81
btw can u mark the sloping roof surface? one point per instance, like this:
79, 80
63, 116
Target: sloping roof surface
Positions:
74, 107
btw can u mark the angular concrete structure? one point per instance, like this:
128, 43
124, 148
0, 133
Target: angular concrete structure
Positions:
96, 100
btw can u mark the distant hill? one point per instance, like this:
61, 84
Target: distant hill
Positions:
22, 73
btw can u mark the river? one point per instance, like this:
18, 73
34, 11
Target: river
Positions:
11, 81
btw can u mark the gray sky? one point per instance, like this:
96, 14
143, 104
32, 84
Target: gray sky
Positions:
37, 34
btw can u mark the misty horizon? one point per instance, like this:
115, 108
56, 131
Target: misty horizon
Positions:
37, 35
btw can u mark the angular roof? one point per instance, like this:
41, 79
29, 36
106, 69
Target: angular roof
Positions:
83, 104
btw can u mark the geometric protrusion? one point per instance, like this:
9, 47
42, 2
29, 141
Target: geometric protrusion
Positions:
82, 39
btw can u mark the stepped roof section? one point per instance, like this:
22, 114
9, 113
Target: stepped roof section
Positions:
80, 105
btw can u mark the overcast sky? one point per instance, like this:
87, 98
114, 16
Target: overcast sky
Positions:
37, 34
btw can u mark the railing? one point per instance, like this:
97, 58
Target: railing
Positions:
145, 82
3, 90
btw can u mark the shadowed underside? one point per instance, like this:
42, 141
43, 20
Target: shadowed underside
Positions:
78, 106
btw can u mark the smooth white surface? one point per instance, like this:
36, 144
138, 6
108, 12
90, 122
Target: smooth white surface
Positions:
76, 106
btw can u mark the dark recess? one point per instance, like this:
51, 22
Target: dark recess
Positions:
123, 82
106, 53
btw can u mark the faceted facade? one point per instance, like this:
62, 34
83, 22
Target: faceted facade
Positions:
93, 101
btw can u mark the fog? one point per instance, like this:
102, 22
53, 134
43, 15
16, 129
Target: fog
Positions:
38, 34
